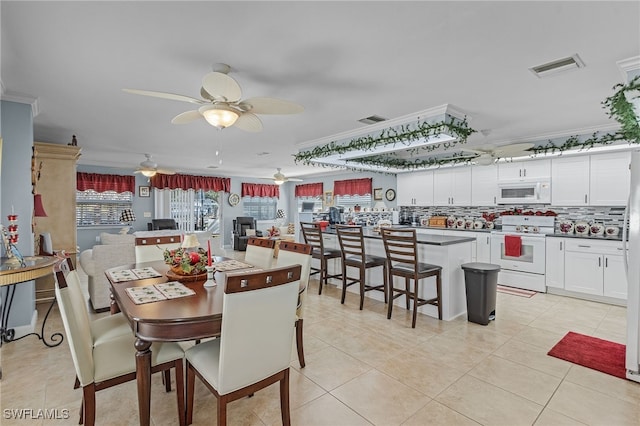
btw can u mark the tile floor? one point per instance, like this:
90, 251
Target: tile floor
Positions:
363, 369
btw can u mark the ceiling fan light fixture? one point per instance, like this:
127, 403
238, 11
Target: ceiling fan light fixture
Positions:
148, 173
219, 116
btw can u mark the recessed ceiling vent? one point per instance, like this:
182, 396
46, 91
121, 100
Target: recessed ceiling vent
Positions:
372, 119
557, 66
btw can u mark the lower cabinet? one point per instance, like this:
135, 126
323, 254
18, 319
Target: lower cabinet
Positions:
595, 268
554, 262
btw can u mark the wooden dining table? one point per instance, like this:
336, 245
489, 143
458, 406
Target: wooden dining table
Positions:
187, 318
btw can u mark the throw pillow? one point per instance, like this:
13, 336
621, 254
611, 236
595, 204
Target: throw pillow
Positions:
291, 228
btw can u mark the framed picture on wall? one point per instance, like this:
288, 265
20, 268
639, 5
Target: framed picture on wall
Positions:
144, 191
328, 199
377, 194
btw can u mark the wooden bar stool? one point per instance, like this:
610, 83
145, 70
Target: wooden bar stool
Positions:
402, 256
312, 234
353, 254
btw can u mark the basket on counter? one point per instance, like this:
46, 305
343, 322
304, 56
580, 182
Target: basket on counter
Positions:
438, 221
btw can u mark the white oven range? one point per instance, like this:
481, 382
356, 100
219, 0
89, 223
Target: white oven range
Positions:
526, 271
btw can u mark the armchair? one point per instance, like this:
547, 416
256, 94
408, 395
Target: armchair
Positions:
241, 225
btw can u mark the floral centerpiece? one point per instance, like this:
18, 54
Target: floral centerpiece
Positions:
273, 232
186, 262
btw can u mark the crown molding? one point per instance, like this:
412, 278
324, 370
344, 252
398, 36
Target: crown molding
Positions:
20, 98
629, 68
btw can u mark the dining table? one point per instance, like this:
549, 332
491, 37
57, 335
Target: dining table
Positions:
194, 317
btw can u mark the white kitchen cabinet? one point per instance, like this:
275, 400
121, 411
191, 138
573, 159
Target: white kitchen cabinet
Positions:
484, 185
610, 179
570, 181
554, 262
595, 267
415, 188
483, 247
452, 187
521, 170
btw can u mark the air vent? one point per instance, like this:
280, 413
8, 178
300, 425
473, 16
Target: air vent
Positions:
212, 167
555, 67
372, 119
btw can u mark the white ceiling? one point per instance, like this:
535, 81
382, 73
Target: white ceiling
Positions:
341, 60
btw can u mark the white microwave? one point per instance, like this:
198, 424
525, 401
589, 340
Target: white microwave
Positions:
536, 191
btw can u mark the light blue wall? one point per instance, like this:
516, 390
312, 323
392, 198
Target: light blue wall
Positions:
17, 135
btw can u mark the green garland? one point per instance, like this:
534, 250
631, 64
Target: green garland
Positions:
402, 135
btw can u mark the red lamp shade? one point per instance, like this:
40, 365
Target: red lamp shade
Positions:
38, 208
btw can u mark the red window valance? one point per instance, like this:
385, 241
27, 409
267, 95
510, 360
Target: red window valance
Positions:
260, 190
178, 181
352, 187
101, 183
309, 190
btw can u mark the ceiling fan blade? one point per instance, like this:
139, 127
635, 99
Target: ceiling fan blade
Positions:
508, 150
206, 95
249, 122
187, 117
271, 106
221, 85
295, 180
166, 171
164, 95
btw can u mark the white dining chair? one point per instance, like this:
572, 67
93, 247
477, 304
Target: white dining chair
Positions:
260, 252
254, 348
111, 361
292, 253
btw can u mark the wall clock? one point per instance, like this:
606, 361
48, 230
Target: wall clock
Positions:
234, 199
390, 195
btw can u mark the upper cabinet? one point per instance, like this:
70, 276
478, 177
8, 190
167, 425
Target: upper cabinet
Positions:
610, 179
452, 187
521, 170
591, 180
570, 181
484, 185
415, 188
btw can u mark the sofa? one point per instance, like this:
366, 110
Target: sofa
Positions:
113, 250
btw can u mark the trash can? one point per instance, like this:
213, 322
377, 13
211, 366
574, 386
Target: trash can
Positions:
481, 282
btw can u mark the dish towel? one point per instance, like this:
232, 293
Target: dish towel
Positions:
512, 245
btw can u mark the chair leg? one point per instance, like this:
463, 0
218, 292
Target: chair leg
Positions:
344, 283
81, 417
191, 384
180, 390
415, 303
407, 294
222, 410
284, 399
385, 277
439, 294
299, 344
89, 404
391, 295
166, 379
362, 278
323, 271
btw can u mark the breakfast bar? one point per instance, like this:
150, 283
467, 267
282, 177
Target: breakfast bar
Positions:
449, 252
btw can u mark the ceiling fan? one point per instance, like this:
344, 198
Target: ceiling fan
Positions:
222, 106
279, 178
490, 154
149, 168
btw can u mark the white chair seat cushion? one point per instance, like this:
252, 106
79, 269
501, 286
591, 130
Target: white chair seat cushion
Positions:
109, 327
205, 358
118, 357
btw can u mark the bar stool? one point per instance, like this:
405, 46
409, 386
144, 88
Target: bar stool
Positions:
353, 254
402, 257
312, 234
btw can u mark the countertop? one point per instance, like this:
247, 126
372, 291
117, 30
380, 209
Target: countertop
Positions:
434, 240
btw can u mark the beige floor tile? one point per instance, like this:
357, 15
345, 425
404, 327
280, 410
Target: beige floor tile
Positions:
488, 404
605, 383
592, 407
454, 352
549, 417
534, 357
380, 399
516, 378
330, 368
545, 339
435, 413
326, 411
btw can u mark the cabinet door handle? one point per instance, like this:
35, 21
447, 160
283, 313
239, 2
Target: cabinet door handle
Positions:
520, 173
560, 245
525, 172
580, 245
487, 240
606, 262
599, 262
494, 200
585, 198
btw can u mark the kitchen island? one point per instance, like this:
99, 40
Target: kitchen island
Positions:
449, 252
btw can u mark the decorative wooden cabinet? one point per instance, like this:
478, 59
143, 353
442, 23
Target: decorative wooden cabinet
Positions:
56, 166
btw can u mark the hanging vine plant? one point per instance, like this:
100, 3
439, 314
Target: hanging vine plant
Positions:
620, 109
403, 135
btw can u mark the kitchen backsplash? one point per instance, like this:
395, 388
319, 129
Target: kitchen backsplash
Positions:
608, 216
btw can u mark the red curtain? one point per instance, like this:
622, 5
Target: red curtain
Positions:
352, 187
178, 181
309, 190
101, 183
260, 190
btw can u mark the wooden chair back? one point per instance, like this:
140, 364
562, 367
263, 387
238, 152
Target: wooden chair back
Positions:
351, 241
400, 245
312, 234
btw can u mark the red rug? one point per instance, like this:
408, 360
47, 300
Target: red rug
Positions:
591, 352
515, 291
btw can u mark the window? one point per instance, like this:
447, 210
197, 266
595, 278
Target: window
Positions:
101, 208
349, 201
193, 210
317, 203
260, 208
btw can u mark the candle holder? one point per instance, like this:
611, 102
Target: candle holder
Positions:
210, 282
